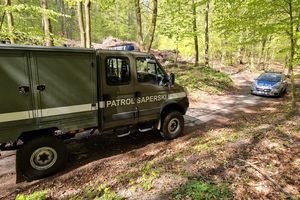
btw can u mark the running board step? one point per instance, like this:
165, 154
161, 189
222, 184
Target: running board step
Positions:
124, 135
145, 130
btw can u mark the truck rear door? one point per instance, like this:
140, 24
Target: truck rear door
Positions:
16, 107
65, 87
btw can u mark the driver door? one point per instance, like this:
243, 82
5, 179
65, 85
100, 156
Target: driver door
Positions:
151, 88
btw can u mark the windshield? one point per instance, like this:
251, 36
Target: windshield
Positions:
270, 77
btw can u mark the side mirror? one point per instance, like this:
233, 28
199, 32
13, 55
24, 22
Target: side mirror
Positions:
172, 78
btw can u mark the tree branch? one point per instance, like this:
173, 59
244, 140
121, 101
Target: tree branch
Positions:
268, 178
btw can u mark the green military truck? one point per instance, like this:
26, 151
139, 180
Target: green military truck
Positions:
50, 94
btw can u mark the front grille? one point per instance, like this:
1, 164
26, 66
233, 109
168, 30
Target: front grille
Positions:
263, 90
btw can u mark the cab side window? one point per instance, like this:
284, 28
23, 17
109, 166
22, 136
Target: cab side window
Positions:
149, 72
117, 71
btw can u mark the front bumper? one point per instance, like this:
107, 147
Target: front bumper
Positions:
184, 104
265, 92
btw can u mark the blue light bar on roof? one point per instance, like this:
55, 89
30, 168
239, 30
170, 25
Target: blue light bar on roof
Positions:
127, 47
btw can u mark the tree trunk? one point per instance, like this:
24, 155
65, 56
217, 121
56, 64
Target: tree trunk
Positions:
63, 19
71, 23
139, 31
252, 61
206, 50
10, 23
81, 24
195, 33
88, 23
153, 25
47, 25
177, 52
298, 22
262, 53
292, 56
240, 57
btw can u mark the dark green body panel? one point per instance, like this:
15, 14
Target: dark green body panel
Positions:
69, 77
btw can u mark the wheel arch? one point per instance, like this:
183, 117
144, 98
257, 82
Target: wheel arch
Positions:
171, 106
27, 135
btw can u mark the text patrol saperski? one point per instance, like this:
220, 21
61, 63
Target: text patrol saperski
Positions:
139, 100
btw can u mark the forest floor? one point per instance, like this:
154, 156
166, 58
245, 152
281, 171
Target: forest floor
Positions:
234, 146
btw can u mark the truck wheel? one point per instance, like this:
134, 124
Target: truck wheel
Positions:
172, 126
40, 157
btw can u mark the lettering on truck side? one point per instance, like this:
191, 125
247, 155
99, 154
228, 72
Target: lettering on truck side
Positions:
131, 101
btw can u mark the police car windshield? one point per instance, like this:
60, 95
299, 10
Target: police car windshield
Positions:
270, 77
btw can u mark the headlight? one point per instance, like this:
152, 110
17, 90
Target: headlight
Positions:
276, 86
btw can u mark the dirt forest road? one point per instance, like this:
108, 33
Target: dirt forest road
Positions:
205, 112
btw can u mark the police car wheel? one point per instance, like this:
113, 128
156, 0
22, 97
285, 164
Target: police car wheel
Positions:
40, 157
172, 125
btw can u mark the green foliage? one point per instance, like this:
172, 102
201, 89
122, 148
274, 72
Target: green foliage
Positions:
31, 10
127, 178
101, 192
198, 190
27, 23
149, 174
39, 195
204, 78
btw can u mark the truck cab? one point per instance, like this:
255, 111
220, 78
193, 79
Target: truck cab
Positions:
53, 93
136, 90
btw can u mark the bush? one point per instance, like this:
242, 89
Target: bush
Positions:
198, 190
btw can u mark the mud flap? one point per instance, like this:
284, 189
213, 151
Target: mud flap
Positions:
158, 125
19, 175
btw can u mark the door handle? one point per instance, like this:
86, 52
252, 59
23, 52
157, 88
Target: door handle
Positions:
41, 87
137, 94
106, 97
24, 89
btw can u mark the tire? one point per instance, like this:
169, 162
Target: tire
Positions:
282, 93
41, 157
285, 91
172, 125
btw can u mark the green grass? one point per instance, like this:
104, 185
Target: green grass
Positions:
198, 190
205, 79
101, 192
39, 195
149, 174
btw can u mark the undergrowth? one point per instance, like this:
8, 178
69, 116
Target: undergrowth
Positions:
38, 195
205, 79
199, 190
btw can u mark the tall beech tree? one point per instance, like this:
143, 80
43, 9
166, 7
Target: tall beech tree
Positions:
195, 31
87, 6
145, 42
10, 23
206, 33
63, 23
139, 28
153, 25
47, 24
81, 23
293, 47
